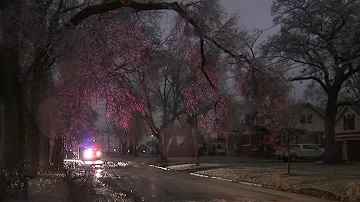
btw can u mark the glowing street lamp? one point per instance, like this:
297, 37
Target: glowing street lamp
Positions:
152, 144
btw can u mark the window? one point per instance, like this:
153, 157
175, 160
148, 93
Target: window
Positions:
302, 118
349, 122
246, 140
306, 118
307, 146
309, 118
260, 120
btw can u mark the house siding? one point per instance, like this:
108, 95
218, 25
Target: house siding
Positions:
348, 139
318, 121
180, 142
339, 127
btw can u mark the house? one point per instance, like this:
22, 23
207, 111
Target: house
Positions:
312, 120
309, 124
216, 146
245, 139
262, 119
180, 142
347, 132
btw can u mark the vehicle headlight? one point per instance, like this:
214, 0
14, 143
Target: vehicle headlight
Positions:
98, 154
88, 153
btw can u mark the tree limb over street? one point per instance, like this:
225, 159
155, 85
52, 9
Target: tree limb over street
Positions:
179, 8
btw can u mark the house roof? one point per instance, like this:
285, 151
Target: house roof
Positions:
317, 109
303, 105
250, 129
354, 108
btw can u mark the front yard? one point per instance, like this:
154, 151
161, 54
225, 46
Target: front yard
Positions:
334, 182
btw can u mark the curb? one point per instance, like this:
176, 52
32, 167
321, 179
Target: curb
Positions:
227, 180
212, 177
158, 167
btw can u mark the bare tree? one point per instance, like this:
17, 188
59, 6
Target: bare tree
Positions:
59, 20
321, 41
285, 112
350, 94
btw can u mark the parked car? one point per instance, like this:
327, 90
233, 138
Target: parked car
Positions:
300, 151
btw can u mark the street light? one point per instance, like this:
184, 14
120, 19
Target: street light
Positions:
152, 145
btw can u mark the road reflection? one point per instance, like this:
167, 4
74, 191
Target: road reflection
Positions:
98, 173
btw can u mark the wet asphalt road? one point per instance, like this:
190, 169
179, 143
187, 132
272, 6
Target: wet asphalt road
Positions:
140, 182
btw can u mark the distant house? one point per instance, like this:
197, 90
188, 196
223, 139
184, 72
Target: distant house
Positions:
347, 132
179, 141
309, 125
244, 139
263, 119
312, 120
216, 146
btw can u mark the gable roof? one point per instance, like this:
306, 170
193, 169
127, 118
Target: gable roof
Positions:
250, 129
354, 108
301, 106
315, 108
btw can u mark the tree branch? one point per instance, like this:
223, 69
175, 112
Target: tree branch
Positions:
300, 78
116, 4
351, 72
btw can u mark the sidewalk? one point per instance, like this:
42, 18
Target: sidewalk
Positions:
48, 187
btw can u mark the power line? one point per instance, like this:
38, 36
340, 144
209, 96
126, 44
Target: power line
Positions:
299, 65
318, 46
264, 30
315, 71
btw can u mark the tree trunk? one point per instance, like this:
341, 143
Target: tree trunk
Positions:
44, 149
161, 147
135, 144
193, 124
14, 134
57, 154
330, 146
288, 150
196, 146
288, 163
